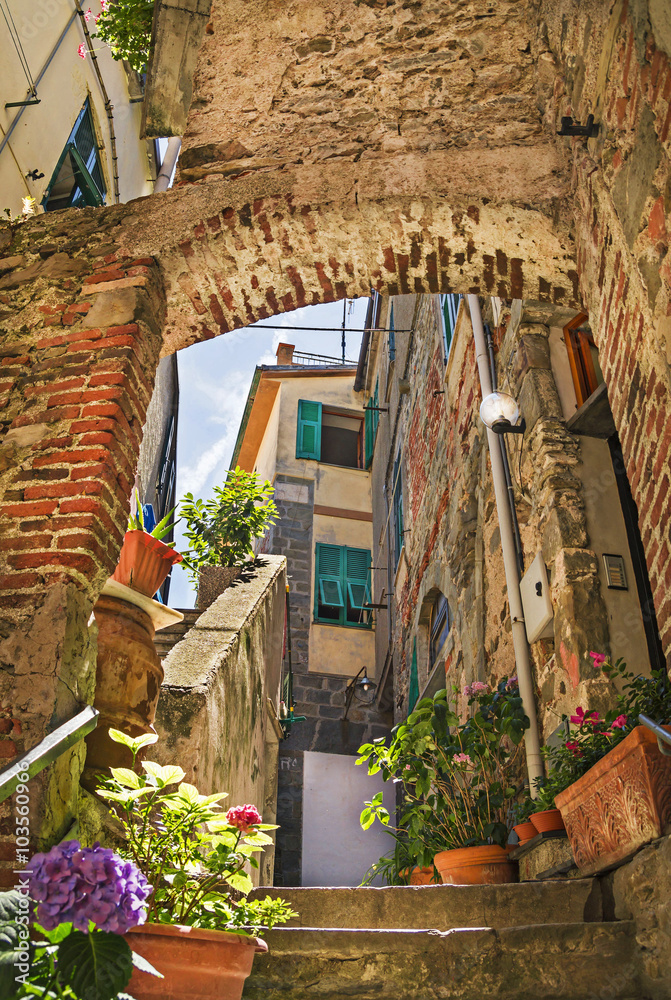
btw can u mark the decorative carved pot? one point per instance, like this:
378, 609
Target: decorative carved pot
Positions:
196, 964
620, 804
485, 865
128, 679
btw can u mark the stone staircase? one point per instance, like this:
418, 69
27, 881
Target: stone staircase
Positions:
168, 637
532, 941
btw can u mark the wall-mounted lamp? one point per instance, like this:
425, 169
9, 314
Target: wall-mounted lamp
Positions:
500, 412
363, 688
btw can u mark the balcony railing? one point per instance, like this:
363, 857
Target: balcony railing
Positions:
301, 358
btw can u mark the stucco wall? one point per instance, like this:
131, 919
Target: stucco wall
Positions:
214, 716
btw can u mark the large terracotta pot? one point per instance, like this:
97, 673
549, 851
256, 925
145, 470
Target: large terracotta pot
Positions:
128, 679
144, 562
486, 865
620, 804
196, 964
547, 820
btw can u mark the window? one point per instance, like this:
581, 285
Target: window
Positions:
413, 689
371, 420
78, 178
342, 585
397, 506
439, 626
449, 307
329, 435
583, 358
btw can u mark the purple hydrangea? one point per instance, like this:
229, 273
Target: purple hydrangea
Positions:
75, 884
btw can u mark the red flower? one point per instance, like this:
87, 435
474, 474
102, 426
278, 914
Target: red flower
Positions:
81, 51
619, 723
244, 817
574, 747
599, 659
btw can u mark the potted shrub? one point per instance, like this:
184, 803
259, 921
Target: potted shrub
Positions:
544, 815
617, 782
63, 937
523, 827
201, 929
405, 863
145, 559
221, 531
459, 777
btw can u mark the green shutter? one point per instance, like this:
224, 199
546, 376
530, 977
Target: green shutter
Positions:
397, 503
371, 420
328, 573
309, 430
413, 690
358, 577
392, 336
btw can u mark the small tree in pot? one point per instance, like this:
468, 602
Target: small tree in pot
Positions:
221, 531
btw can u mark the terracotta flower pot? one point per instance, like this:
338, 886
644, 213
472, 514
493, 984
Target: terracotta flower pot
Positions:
422, 876
620, 804
487, 865
546, 820
196, 964
525, 831
144, 562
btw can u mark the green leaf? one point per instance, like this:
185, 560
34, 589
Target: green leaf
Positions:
207, 800
166, 774
134, 743
126, 777
188, 792
241, 882
258, 839
96, 965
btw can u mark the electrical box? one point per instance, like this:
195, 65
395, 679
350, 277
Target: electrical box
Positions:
537, 602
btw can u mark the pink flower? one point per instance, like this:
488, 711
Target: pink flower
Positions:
598, 658
574, 747
581, 717
619, 723
88, 15
479, 686
244, 817
512, 683
468, 691
461, 758
103, 6
81, 51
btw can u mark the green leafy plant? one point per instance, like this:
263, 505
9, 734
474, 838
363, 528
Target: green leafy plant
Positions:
125, 25
221, 531
396, 866
592, 736
459, 776
160, 530
192, 853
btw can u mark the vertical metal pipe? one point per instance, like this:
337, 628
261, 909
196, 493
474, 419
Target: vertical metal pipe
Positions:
168, 164
535, 767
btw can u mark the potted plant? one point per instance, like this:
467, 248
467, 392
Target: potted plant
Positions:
221, 531
62, 934
617, 783
405, 863
459, 777
544, 815
145, 560
201, 929
523, 827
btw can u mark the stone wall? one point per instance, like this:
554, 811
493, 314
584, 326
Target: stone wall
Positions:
217, 710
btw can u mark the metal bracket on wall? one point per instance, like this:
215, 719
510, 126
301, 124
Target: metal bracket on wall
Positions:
569, 127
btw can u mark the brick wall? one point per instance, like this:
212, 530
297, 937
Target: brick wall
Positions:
81, 340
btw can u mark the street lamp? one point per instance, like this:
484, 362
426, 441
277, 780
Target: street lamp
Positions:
361, 687
499, 411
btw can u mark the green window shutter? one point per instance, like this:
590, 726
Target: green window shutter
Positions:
358, 578
309, 430
371, 419
329, 588
413, 690
397, 504
392, 336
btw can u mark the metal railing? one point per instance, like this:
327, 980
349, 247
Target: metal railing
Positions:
48, 750
663, 735
301, 358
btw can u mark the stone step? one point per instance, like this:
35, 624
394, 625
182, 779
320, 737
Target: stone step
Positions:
550, 962
443, 907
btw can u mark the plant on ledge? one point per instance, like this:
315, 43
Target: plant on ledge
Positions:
459, 777
125, 25
221, 531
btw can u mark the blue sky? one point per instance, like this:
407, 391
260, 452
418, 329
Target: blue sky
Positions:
214, 380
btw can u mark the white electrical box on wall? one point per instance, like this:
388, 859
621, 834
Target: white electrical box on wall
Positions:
537, 602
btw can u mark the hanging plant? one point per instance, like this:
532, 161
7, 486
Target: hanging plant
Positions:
125, 25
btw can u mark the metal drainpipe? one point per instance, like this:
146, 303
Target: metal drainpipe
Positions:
168, 165
535, 767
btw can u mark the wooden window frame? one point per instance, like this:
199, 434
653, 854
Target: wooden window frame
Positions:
578, 344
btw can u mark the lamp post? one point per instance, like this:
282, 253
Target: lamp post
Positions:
364, 689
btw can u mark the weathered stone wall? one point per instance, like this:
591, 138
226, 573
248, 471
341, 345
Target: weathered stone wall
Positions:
213, 717
614, 61
81, 338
